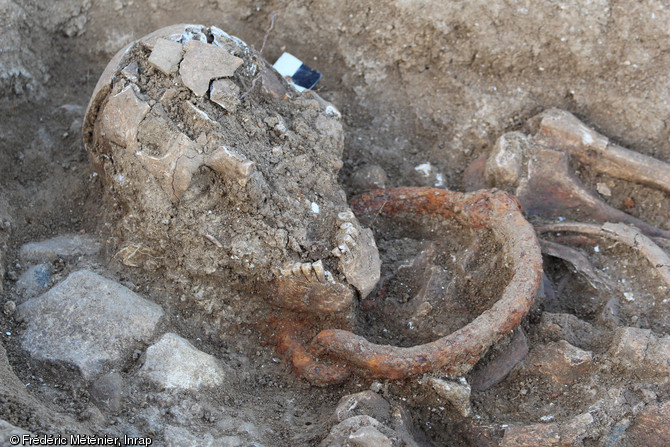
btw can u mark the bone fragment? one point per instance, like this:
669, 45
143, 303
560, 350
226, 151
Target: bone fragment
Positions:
551, 190
203, 62
626, 234
580, 262
229, 163
175, 169
122, 116
562, 130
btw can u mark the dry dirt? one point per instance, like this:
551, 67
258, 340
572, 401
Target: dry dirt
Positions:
417, 82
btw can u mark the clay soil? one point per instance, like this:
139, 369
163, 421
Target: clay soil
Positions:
417, 82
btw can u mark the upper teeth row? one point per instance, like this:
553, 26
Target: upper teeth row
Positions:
347, 234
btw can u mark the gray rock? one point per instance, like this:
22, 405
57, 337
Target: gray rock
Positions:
181, 437
204, 62
107, 392
456, 393
8, 430
35, 280
367, 178
369, 437
366, 402
166, 56
66, 246
641, 351
9, 307
173, 362
88, 321
341, 434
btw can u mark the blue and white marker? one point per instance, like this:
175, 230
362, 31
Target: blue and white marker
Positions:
303, 77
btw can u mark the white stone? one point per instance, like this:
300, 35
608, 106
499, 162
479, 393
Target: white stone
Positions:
456, 393
173, 362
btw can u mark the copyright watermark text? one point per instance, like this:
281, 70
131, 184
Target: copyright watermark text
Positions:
73, 440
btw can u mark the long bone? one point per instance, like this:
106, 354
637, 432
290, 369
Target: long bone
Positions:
562, 130
539, 175
551, 190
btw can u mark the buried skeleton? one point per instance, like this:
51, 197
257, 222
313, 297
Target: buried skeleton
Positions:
246, 190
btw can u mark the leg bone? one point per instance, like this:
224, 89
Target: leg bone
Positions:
562, 130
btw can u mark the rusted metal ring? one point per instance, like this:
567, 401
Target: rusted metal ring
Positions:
455, 353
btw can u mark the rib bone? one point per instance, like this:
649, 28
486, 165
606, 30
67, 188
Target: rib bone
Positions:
626, 234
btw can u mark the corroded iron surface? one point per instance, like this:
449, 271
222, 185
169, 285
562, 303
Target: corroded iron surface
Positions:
455, 353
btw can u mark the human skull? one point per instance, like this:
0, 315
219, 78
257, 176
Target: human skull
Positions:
221, 168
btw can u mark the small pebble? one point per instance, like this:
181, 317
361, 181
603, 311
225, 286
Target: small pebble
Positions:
9, 307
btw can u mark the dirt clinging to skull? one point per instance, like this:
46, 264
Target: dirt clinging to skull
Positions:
246, 180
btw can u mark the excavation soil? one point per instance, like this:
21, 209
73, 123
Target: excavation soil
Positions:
416, 82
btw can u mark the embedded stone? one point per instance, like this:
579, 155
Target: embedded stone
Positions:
366, 402
456, 393
641, 351
575, 429
369, 437
340, 434
367, 178
173, 362
651, 426
561, 362
537, 435
35, 280
568, 327
166, 55
87, 321
107, 392
203, 62
66, 246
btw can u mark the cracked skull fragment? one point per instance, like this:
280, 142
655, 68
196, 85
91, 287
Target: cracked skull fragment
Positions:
216, 173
